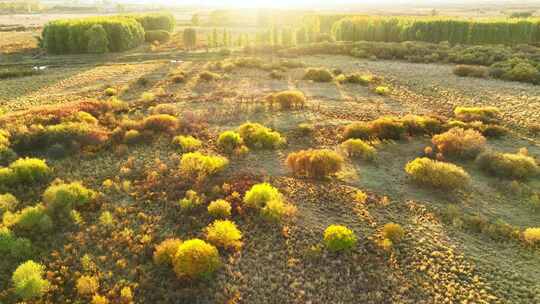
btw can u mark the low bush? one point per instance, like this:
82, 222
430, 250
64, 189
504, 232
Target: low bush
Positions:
229, 142
197, 166
87, 285
339, 238
483, 114
460, 143
359, 148
382, 90
209, 76
61, 199
356, 78
289, 99
471, 71
277, 210
28, 280
161, 123
318, 75
196, 259
191, 201
187, 143
419, 125
508, 165
532, 236
164, 108
393, 232
258, 136
160, 36
260, 194
224, 234
26, 171
306, 129
165, 251
437, 174
516, 69
111, 92
219, 208
314, 163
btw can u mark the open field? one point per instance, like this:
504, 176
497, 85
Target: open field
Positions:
135, 156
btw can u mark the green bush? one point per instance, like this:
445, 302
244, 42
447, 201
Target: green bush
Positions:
223, 233
61, 199
30, 220
508, 165
219, 208
187, 143
97, 39
155, 21
318, 75
81, 35
229, 141
8, 202
359, 148
339, 238
437, 174
197, 166
258, 136
28, 280
260, 194
516, 69
460, 143
14, 247
24, 171
196, 259
314, 163
470, 71
160, 36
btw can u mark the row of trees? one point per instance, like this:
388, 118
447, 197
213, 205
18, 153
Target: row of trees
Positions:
503, 31
102, 34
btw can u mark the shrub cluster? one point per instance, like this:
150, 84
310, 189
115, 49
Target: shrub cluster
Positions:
230, 142
387, 127
460, 143
257, 136
12, 247
269, 201
29, 220
165, 251
160, 36
155, 21
508, 165
516, 69
437, 174
339, 238
191, 201
393, 232
314, 163
161, 123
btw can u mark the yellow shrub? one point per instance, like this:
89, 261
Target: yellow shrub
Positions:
314, 163
393, 232
339, 238
460, 143
359, 148
219, 208
224, 234
532, 235
196, 259
87, 285
437, 174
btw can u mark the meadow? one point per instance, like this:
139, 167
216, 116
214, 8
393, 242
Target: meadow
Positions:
229, 164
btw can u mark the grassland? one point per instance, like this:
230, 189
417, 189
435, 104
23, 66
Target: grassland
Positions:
438, 260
